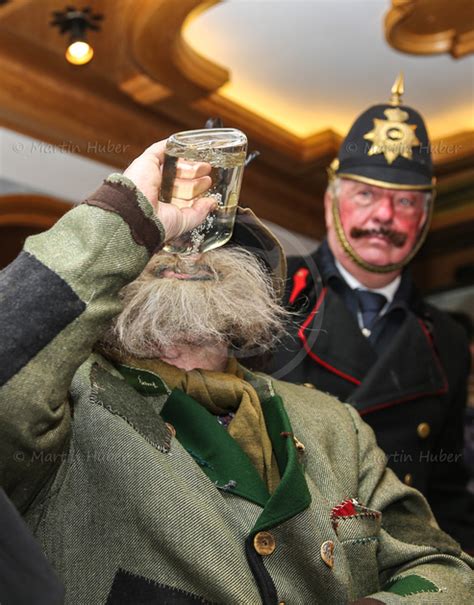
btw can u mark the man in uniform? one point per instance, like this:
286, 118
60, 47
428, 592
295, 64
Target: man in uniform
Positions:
156, 469
363, 333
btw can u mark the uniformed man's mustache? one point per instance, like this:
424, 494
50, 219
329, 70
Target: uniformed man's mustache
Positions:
398, 239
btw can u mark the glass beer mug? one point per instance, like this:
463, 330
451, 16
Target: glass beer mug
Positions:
225, 149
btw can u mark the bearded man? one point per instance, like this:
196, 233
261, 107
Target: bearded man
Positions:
361, 330
157, 469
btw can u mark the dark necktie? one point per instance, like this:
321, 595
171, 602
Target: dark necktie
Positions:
370, 305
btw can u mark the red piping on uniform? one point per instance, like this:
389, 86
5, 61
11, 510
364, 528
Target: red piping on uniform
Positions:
429, 338
379, 406
389, 404
300, 279
302, 337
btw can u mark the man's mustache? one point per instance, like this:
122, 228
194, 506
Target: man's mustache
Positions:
398, 239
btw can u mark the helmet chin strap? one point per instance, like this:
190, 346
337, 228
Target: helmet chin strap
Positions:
349, 250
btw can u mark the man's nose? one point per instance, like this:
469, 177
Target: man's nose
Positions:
195, 257
189, 262
384, 209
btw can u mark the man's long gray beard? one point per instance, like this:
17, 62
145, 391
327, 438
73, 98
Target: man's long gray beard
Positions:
233, 305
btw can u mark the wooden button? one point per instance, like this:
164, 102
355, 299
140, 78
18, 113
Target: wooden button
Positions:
423, 430
264, 543
309, 385
171, 429
299, 446
408, 479
327, 553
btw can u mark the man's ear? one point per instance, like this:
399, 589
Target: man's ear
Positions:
423, 219
328, 209
427, 207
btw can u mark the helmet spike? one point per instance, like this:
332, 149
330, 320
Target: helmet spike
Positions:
397, 91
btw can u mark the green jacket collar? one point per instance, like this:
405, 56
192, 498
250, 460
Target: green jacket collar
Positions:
220, 456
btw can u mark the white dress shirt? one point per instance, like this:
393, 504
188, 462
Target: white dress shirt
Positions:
388, 291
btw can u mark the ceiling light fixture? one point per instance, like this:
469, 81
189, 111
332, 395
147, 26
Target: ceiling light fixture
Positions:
76, 23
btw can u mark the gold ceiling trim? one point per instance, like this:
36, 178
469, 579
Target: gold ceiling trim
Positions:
170, 67
455, 148
453, 216
160, 51
192, 64
10, 7
425, 27
143, 89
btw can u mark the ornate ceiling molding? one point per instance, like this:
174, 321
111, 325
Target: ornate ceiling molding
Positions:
160, 51
11, 6
147, 82
172, 68
425, 27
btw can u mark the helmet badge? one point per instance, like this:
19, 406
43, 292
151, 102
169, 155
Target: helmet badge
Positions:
393, 137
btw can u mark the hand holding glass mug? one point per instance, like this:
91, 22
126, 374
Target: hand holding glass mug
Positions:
146, 173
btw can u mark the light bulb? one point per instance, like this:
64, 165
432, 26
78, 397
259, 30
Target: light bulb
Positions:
79, 53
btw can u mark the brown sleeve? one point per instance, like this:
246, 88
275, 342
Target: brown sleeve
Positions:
117, 197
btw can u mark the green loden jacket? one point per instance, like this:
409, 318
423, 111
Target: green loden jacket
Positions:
138, 495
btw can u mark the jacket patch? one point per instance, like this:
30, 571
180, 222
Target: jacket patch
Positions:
118, 198
129, 589
408, 585
37, 305
120, 399
352, 509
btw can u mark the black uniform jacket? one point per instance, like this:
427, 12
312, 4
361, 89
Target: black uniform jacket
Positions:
409, 383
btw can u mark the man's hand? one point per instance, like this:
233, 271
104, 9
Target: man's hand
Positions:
192, 179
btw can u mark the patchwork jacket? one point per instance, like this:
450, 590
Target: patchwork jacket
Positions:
138, 495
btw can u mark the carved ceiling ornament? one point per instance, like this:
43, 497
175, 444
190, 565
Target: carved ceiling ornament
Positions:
167, 68
425, 27
160, 51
